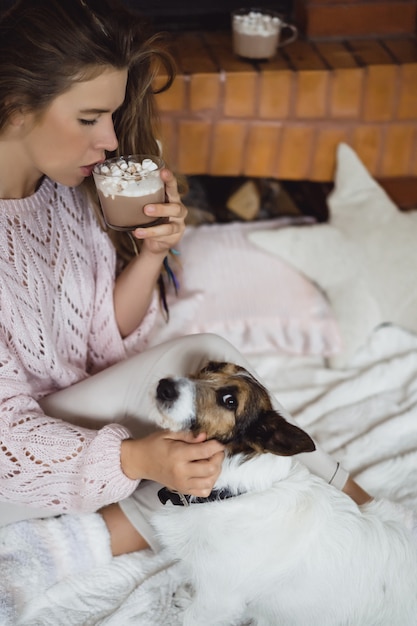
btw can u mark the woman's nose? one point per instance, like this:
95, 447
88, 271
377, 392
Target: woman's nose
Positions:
107, 139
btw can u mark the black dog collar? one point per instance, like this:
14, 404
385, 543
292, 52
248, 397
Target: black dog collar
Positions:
180, 499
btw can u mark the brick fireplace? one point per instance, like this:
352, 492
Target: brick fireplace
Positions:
352, 77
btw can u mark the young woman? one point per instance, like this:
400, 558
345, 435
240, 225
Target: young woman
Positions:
76, 303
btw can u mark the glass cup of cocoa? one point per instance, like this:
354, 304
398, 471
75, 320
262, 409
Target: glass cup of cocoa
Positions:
257, 33
125, 185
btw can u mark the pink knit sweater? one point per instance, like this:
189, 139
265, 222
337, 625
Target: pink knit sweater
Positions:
57, 326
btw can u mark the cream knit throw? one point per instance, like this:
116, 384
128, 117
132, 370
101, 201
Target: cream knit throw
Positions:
37, 554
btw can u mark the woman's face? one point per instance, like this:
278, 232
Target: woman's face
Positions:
74, 131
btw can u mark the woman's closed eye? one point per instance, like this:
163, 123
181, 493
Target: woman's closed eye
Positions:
87, 122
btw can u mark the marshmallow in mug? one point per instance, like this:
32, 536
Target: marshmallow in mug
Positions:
256, 23
120, 178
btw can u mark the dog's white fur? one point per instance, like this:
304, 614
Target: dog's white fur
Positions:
289, 551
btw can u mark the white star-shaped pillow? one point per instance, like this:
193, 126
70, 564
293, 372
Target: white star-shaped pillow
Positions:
364, 258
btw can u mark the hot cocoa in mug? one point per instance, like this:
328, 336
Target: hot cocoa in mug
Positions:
257, 33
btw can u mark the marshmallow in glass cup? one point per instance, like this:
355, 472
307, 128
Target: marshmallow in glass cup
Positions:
125, 185
257, 33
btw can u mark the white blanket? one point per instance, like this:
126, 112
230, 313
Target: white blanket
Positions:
365, 415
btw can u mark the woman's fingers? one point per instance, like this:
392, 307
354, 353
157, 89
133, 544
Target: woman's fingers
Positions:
198, 449
179, 460
202, 465
171, 185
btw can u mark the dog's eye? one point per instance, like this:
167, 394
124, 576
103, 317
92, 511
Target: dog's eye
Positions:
229, 401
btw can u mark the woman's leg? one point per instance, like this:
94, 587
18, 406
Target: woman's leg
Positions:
126, 392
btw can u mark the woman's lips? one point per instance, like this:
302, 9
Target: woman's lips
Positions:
87, 170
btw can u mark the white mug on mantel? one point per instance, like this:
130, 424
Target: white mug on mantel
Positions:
257, 33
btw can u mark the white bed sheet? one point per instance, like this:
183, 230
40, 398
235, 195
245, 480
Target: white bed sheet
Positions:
365, 414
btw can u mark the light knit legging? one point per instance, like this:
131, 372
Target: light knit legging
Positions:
124, 393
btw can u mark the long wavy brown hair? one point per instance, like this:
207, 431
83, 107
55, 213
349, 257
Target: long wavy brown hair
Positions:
47, 45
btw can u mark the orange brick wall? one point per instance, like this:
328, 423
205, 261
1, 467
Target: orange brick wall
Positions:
353, 18
284, 118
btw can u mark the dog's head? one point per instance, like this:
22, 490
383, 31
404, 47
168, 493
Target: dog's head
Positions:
227, 403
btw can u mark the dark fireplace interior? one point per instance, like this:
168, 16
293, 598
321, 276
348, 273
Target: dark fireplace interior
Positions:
182, 15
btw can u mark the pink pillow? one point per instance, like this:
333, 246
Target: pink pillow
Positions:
252, 298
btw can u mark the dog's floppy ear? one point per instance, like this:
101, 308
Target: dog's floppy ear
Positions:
272, 433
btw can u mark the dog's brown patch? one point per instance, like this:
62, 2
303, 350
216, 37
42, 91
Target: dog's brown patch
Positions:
233, 407
225, 400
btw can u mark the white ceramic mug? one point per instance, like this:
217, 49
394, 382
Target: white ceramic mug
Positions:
257, 33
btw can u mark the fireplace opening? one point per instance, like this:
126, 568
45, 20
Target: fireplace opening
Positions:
207, 15
223, 199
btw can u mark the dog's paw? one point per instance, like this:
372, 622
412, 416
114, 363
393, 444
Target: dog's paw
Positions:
183, 596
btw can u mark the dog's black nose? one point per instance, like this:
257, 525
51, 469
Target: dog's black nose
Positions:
167, 390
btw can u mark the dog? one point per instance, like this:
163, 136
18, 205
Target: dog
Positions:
276, 545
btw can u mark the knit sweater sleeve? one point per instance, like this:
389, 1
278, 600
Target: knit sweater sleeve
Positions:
51, 464
56, 325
